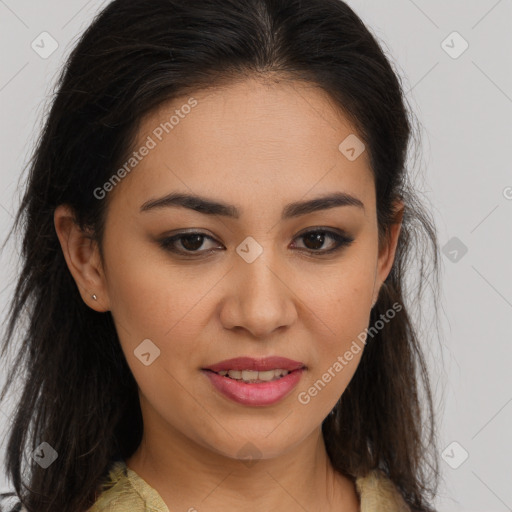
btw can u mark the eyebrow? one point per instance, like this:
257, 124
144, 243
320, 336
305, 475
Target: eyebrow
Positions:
211, 207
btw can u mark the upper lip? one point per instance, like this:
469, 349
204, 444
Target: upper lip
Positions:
261, 364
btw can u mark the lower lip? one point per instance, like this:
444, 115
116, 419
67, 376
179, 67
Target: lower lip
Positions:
258, 393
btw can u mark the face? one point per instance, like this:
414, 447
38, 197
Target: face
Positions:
264, 273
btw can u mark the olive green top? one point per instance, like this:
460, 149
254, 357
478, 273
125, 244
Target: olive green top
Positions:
125, 491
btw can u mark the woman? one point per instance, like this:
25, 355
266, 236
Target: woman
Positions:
217, 225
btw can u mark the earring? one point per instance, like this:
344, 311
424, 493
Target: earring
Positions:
94, 297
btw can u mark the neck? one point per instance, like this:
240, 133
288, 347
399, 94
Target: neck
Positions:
189, 476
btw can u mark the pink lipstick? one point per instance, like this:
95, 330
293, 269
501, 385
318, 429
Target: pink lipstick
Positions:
256, 382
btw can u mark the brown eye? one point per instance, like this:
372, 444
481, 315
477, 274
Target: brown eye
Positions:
314, 241
189, 243
192, 242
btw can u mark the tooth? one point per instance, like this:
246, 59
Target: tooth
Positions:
249, 375
267, 375
252, 375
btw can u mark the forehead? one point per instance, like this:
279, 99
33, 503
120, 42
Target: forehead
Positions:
249, 137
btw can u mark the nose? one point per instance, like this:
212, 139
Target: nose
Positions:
259, 298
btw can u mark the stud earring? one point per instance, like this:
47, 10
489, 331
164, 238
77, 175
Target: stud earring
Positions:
94, 297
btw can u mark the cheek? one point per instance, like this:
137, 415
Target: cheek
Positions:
155, 301
150, 298
347, 317
342, 297
341, 303
341, 315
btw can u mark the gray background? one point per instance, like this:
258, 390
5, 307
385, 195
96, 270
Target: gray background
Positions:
464, 103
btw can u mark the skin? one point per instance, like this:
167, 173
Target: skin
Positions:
258, 146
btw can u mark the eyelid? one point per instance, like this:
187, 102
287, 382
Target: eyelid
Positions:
340, 237
167, 242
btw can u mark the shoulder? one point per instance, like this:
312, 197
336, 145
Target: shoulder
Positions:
116, 491
127, 492
378, 493
9, 502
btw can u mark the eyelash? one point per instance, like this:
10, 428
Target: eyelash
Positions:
340, 240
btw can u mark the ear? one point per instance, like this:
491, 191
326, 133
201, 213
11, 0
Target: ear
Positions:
387, 249
83, 259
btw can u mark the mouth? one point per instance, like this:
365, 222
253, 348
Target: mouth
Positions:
251, 364
252, 376
255, 382
251, 381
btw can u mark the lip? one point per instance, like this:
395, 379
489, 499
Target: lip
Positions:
261, 364
255, 394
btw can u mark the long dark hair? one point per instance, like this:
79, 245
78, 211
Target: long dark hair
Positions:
78, 393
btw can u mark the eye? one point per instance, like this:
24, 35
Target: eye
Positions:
315, 239
190, 244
